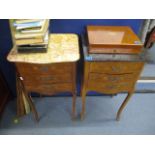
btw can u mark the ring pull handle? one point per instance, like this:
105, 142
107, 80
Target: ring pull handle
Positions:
116, 69
44, 69
46, 78
111, 87
115, 79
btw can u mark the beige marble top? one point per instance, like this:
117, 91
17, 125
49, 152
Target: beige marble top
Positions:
61, 48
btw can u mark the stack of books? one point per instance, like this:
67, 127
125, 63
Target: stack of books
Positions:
31, 35
112, 39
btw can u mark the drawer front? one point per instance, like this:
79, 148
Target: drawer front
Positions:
50, 89
115, 50
46, 79
116, 67
109, 78
111, 88
49, 69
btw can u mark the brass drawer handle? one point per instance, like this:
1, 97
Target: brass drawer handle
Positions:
110, 87
48, 87
116, 69
116, 79
46, 78
44, 69
124, 84
115, 50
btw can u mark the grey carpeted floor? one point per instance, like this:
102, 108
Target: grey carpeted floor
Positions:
137, 118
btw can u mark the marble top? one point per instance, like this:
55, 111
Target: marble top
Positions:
61, 48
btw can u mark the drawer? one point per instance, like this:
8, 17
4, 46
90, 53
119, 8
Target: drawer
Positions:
50, 89
111, 88
47, 79
112, 78
39, 69
116, 67
118, 50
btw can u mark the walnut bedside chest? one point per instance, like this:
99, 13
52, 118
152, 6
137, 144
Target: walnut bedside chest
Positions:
108, 70
48, 73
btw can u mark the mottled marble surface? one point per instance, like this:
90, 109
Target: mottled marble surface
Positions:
61, 48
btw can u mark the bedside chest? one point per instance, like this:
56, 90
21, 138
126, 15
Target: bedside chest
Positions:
49, 73
110, 74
